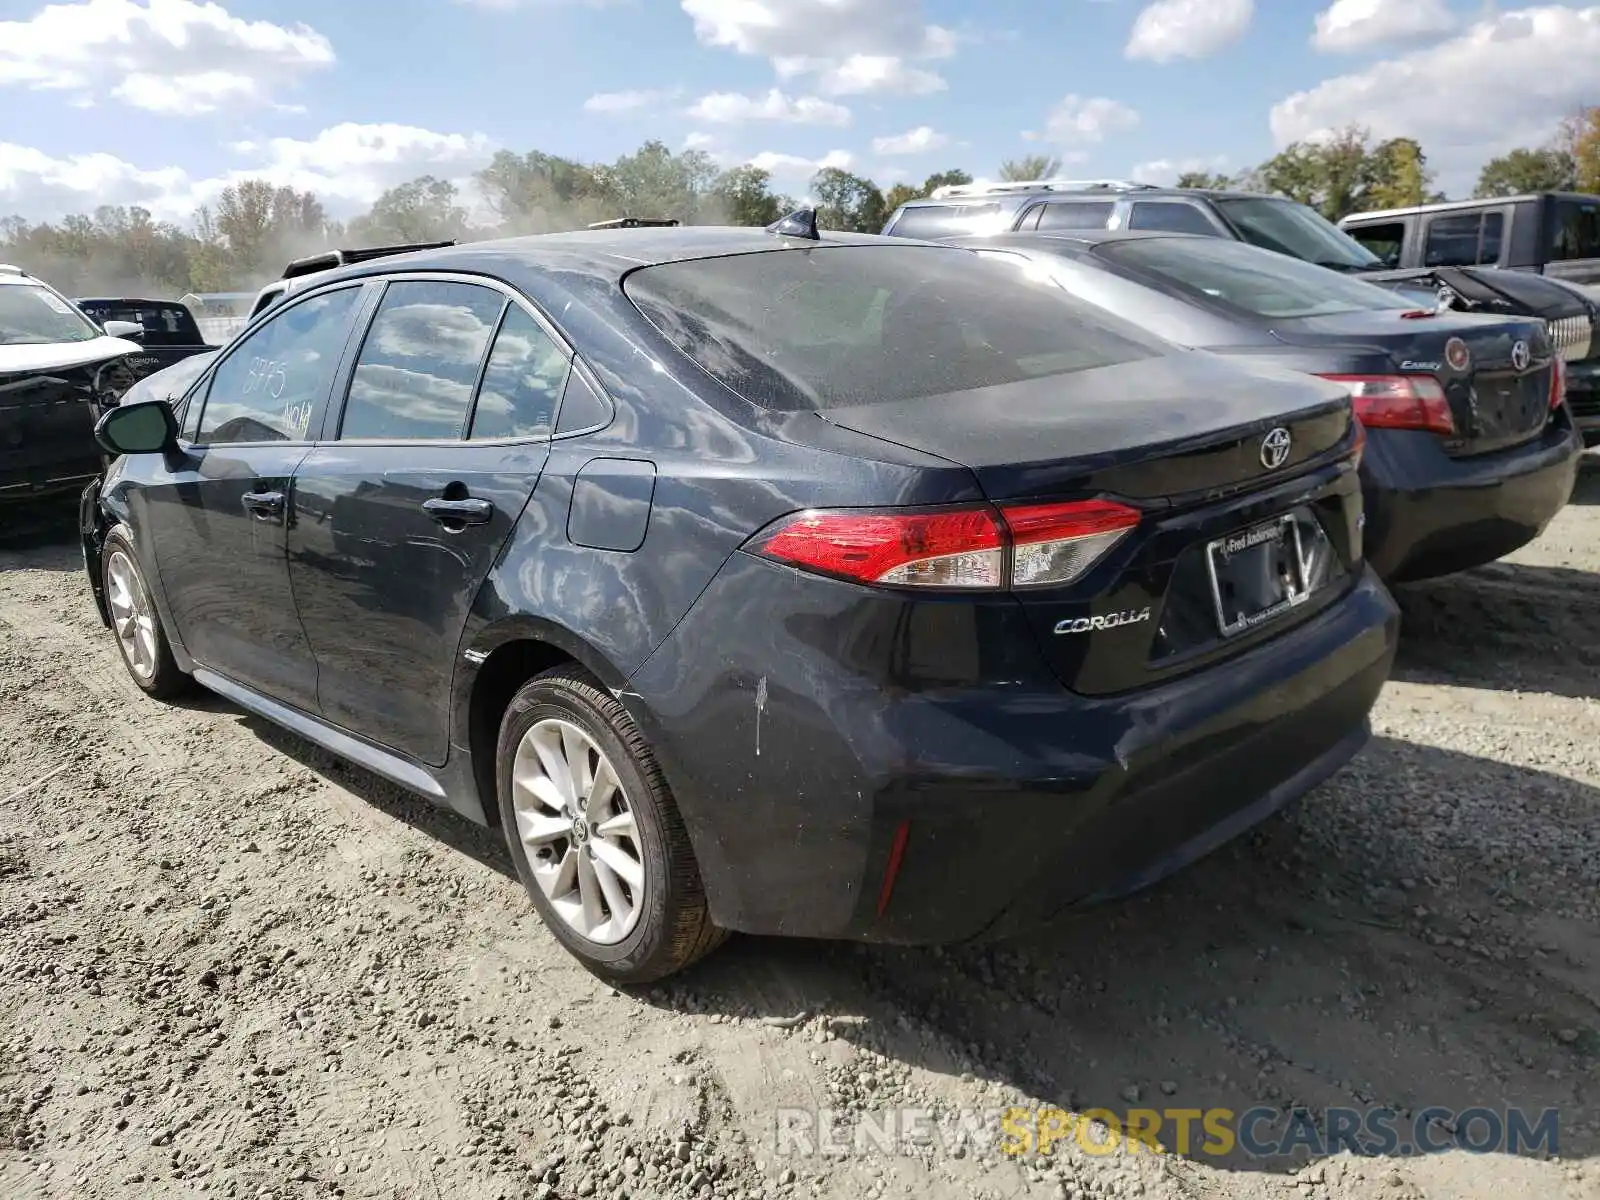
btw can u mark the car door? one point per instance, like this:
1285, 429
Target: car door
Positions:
444, 429
217, 523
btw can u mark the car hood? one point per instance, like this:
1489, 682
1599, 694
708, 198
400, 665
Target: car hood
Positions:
55, 356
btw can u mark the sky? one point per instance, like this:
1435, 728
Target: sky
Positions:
162, 103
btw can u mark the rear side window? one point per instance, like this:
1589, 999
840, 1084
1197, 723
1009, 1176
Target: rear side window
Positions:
1386, 241
947, 220
1248, 280
1077, 215
839, 326
1464, 239
1576, 230
420, 361
1170, 216
522, 382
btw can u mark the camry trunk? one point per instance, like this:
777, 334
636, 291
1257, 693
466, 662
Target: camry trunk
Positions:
1498, 395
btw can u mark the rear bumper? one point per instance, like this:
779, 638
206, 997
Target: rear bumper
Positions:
1429, 514
1005, 804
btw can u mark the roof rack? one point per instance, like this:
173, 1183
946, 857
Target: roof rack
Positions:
9, 269
329, 259
635, 223
1038, 185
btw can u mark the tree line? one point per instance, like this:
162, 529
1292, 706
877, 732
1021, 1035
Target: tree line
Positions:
254, 228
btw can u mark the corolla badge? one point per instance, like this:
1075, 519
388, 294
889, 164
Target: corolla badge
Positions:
1457, 354
1520, 356
1111, 620
1275, 448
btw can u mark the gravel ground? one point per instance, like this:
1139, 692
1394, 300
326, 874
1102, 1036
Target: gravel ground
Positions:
234, 966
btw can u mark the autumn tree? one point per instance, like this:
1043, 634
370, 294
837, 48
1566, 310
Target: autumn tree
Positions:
1345, 173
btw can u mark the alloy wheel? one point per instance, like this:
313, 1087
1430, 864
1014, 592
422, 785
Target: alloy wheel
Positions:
131, 618
579, 831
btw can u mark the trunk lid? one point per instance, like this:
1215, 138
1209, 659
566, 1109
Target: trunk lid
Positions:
1155, 430
1182, 438
1499, 397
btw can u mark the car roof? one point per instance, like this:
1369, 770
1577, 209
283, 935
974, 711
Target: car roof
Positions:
1081, 237
1110, 194
125, 300
601, 255
1414, 210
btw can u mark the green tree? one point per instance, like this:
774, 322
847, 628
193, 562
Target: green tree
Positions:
1029, 166
1346, 173
848, 202
1546, 169
423, 210
538, 193
1397, 175
1203, 179
655, 182
743, 196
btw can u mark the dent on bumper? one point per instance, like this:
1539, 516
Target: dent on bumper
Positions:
1016, 800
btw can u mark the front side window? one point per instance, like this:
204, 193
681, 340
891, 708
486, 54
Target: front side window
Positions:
267, 389
1247, 280
843, 325
1576, 232
1170, 216
32, 315
523, 381
1295, 230
419, 363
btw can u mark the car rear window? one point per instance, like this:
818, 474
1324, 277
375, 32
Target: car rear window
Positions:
164, 324
31, 315
1249, 280
839, 326
933, 221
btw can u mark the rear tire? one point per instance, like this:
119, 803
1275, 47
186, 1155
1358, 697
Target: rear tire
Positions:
595, 834
141, 640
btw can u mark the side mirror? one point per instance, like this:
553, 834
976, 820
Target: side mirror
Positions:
131, 330
145, 428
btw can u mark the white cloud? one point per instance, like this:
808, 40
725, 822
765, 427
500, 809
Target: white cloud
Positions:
1360, 24
1172, 29
727, 108
795, 168
615, 103
175, 57
1164, 172
348, 166
1535, 64
699, 141
1084, 121
921, 140
852, 46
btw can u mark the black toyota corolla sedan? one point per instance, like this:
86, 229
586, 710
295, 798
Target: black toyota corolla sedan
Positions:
1471, 448
823, 585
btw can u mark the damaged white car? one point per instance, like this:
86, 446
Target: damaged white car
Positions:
58, 372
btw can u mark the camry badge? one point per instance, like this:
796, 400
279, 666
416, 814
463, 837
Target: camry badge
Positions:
1520, 354
1457, 354
1275, 448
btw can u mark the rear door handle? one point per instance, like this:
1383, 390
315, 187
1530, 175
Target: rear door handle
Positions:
264, 505
459, 512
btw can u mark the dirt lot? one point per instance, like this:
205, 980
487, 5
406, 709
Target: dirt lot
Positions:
232, 966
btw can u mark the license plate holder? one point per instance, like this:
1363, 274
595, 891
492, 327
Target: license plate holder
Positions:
1258, 574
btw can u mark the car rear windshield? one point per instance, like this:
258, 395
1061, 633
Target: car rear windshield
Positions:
31, 315
1295, 230
164, 324
1248, 280
839, 326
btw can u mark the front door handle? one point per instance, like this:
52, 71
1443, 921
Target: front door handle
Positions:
459, 512
264, 506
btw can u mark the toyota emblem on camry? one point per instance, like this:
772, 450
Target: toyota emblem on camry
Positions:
1520, 356
1275, 449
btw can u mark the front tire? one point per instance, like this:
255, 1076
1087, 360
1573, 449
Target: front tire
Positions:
595, 834
140, 638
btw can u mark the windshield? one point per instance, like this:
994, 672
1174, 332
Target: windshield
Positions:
838, 326
1250, 281
1297, 231
31, 315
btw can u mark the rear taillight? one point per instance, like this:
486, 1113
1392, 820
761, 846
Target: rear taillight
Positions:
968, 548
1558, 382
1399, 402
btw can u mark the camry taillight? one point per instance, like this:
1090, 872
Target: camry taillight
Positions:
968, 547
1558, 381
1399, 402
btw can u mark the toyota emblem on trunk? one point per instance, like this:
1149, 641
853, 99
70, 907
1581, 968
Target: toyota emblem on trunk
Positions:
1275, 449
1519, 356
